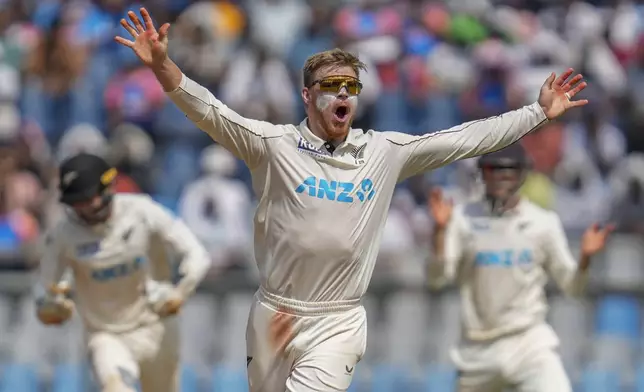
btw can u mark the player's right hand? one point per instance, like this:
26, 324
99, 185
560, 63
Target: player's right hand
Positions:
439, 208
170, 307
56, 308
150, 45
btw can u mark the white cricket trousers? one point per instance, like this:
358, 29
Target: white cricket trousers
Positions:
329, 339
147, 357
526, 362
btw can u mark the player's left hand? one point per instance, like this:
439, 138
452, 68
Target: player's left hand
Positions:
439, 208
170, 307
594, 239
557, 93
164, 298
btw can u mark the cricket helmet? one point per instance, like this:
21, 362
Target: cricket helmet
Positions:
503, 173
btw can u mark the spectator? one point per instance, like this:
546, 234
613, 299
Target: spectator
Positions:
581, 197
597, 136
52, 71
254, 86
207, 33
276, 24
131, 152
20, 196
489, 96
627, 207
82, 138
133, 94
217, 208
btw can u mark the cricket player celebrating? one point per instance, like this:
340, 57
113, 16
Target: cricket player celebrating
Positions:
115, 247
324, 189
501, 251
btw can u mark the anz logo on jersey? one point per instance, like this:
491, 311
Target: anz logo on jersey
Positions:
343, 192
118, 271
503, 258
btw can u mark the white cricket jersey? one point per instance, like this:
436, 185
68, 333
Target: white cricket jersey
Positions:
502, 265
111, 262
320, 214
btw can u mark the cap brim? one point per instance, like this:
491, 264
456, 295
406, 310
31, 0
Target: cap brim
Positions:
78, 197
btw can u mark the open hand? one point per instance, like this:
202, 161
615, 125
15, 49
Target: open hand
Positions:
439, 208
556, 93
594, 239
150, 45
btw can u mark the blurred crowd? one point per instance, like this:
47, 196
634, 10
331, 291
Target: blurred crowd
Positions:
67, 87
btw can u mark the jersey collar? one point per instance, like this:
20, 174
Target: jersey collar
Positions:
319, 143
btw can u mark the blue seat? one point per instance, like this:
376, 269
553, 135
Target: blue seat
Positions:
390, 379
639, 379
226, 379
439, 378
189, 380
595, 379
618, 316
23, 378
68, 378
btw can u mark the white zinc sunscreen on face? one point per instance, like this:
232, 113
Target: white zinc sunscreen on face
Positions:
353, 101
323, 101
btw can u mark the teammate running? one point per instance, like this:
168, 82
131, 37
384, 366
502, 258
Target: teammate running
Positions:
324, 189
500, 251
116, 249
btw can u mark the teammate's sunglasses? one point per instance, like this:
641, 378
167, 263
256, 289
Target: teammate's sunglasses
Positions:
334, 84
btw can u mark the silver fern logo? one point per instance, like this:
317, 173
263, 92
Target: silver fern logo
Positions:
358, 153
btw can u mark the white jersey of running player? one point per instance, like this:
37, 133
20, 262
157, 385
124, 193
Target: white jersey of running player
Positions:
324, 189
117, 267
501, 264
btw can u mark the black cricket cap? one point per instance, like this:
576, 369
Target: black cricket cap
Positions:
512, 156
84, 176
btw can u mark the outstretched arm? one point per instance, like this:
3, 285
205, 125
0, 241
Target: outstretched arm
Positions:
418, 154
52, 305
243, 137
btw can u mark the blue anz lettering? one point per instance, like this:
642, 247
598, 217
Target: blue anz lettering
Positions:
503, 258
308, 183
117, 271
341, 192
327, 189
347, 188
366, 187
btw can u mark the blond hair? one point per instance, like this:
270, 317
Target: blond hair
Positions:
334, 58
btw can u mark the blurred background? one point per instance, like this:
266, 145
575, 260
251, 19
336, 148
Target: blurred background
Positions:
66, 87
